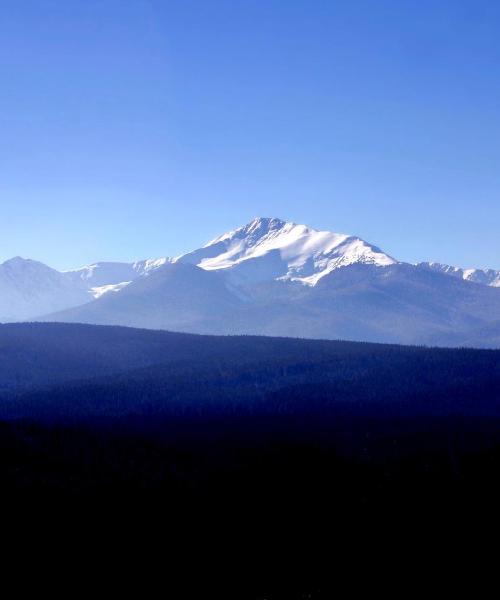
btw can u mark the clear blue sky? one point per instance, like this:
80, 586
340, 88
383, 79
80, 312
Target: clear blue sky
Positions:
135, 128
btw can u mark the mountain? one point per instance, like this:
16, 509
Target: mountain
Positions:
482, 276
267, 249
273, 277
29, 288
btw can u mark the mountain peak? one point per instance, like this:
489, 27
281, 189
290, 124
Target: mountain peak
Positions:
268, 248
256, 227
264, 223
18, 262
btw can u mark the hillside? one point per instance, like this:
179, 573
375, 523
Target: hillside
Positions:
263, 449
76, 371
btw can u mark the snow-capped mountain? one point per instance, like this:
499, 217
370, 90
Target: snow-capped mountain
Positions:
268, 277
482, 276
29, 289
267, 249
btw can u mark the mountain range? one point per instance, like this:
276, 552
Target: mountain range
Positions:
268, 277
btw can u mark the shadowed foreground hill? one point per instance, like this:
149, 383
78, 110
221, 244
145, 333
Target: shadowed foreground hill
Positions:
246, 467
72, 371
35, 354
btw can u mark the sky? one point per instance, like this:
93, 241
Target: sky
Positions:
145, 128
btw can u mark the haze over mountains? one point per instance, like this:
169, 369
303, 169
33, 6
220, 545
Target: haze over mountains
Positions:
268, 277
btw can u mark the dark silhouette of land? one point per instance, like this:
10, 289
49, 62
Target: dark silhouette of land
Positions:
257, 459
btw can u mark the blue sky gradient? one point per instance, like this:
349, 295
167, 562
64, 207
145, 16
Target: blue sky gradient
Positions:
145, 128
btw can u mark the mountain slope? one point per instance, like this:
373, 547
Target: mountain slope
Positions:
29, 288
398, 303
405, 304
175, 296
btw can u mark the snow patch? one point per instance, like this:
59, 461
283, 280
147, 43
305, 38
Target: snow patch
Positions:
97, 292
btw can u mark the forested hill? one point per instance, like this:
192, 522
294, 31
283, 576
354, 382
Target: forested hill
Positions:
34, 354
275, 448
59, 370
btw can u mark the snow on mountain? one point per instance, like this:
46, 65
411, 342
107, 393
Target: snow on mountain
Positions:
99, 291
104, 277
104, 274
267, 249
101, 274
483, 276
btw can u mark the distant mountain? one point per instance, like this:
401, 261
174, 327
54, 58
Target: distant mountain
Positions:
29, 288
272, 277
482, 276
103, 277
110, 273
